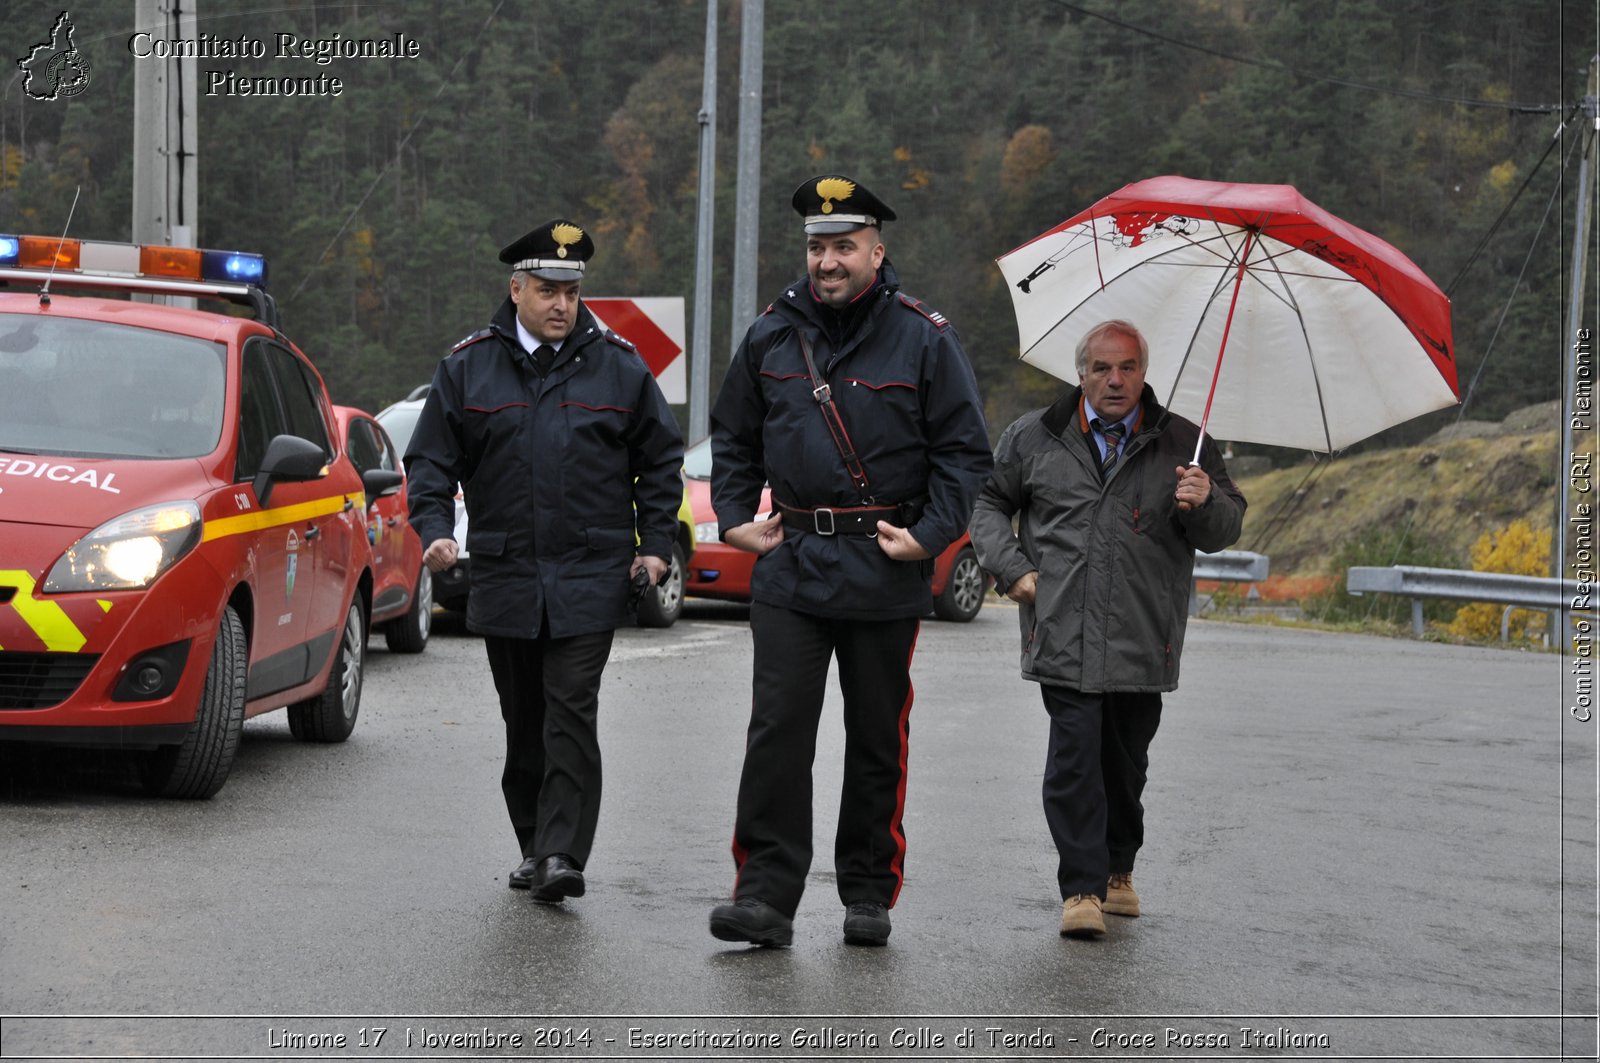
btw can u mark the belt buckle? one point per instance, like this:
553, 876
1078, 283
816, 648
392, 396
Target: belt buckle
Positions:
816, 521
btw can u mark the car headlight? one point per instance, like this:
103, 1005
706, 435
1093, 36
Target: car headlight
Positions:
706, 532
129, 552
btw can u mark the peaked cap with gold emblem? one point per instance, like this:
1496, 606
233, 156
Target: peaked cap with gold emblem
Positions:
833, 203
556, 251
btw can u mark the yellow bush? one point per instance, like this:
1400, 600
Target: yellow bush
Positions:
1520, 551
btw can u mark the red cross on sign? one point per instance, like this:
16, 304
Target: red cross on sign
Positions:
656, 327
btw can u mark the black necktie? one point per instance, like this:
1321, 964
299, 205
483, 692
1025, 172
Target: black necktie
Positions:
544, 357
1113, 434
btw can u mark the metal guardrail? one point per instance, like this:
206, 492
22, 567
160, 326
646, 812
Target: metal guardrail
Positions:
1416, 583
1238, 566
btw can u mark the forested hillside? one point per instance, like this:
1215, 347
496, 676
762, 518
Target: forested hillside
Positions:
981, 123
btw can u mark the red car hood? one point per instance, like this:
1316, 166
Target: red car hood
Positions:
86, 492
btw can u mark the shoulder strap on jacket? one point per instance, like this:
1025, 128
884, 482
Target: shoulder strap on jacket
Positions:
481, 334
939, 320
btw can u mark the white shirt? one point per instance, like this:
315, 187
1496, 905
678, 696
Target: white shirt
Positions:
530, 342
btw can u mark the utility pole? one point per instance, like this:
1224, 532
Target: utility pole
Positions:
747, 202
700, 346
166, 186
1572, 351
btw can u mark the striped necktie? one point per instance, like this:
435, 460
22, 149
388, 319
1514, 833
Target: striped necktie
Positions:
1113, 434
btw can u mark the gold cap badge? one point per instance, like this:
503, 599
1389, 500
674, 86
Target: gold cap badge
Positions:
565, 234
832, 188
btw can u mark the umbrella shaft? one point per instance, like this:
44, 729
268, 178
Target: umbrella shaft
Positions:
1238, 281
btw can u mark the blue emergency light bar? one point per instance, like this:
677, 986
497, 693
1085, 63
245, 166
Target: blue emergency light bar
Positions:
233, 266
131, 260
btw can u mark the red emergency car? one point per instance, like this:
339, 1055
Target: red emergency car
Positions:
402, 588
182, 542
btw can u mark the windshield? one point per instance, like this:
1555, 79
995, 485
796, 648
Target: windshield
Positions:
91, 389
697, 460
400, 421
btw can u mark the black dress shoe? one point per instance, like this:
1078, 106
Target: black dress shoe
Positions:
522, 877
752, 920
555, 879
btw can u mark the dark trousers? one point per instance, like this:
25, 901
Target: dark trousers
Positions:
550, 700
772, 832
1094, 775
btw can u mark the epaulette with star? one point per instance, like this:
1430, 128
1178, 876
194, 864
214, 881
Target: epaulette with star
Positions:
481, 334
621, 341
926, 311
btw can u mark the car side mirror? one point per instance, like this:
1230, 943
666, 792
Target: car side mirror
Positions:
381, 482
288, 458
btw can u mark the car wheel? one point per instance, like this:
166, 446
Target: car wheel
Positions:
963, 594
409, 634
331, 715
199, 766
663, 603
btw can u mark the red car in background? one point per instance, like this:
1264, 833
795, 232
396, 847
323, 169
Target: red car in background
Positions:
402, 587
718, 570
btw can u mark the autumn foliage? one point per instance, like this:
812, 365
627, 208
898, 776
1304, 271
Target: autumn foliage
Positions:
1518, 550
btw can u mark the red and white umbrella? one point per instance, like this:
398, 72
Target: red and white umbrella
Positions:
1269, 320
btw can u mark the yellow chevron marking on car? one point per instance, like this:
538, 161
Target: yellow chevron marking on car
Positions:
272, 518
47, 619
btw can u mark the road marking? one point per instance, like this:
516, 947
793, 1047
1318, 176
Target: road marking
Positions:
685, 639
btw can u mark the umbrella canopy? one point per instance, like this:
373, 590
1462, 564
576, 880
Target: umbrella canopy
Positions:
1331, 333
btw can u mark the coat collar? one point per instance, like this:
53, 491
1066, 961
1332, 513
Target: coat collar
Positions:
1058, 417
585, 330
798, 297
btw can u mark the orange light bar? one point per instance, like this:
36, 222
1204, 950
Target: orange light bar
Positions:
170, 262
42, 252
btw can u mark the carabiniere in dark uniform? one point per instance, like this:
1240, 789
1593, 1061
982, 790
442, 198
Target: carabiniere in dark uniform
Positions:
562, 454
908, 447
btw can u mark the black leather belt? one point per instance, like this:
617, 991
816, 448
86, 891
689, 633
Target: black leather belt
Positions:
847, 520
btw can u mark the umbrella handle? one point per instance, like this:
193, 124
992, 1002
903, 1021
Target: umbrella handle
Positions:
1184, 507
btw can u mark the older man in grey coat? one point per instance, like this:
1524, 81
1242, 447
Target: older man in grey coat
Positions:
1110, 511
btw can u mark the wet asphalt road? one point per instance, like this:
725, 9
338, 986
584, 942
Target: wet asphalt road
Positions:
1355, 847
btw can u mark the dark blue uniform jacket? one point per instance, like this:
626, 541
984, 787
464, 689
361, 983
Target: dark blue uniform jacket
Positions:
909, 400
552, 471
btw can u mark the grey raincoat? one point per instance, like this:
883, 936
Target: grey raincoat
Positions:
1115, 559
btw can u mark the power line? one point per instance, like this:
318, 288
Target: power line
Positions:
1415, 94
1290, 503
444, 83
1533, 244
1516, 286
1476, 251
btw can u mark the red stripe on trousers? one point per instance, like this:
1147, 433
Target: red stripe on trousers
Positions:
897, 865
740, 853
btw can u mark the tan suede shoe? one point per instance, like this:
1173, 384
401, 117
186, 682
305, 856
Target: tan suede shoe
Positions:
1120, 898
1080, 917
